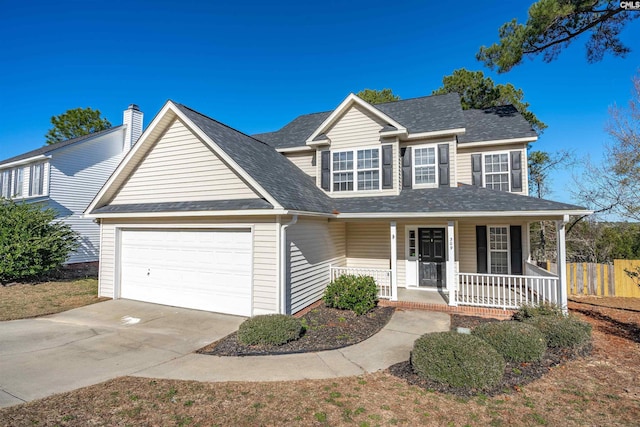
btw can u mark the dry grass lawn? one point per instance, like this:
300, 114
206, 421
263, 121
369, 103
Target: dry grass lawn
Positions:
23, 301
600, 390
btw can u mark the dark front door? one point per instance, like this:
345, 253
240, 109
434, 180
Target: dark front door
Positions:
431, 257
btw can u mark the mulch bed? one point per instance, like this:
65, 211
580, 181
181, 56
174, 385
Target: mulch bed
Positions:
516, 374
327, 329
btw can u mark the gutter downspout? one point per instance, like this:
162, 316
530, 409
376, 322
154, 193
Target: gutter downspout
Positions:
283, 264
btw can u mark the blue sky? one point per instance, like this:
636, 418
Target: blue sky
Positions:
257, 65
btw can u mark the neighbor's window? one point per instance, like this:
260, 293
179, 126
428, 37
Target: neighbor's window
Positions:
5, 184
17, 182
366, 169
499, 250
36, 180
496, 171
424, 165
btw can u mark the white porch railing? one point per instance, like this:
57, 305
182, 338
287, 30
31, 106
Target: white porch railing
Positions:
381, 276
507, 291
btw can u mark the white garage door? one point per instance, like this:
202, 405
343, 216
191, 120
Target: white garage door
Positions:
205, 270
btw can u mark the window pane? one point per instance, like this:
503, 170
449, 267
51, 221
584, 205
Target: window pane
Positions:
498, 181
368, 159
17, 182
499, 263
425, 156
343, 181
369, 180
425, 175
343, 161
5, 184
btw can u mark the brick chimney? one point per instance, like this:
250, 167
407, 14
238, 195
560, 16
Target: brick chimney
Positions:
132, 120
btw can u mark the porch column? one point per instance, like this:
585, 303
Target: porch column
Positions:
394, 261
562, 263
452, 276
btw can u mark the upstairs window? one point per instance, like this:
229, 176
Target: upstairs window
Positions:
5, 184
36, 180
496, 171
424, 166
18, 180
365, 169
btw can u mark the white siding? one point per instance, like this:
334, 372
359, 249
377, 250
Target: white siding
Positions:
76, 175
181, 168
368, 244
313, 246
305, 161
265, 266
464, 162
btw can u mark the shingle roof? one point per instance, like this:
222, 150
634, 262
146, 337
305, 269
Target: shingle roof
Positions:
425, 114
210, 205
465, 198
284, 181
49, 148
494, 124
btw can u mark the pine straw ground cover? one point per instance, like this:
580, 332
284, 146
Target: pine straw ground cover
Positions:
25, 300
599, 390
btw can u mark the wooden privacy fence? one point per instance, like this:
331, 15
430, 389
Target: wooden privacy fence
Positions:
584, 278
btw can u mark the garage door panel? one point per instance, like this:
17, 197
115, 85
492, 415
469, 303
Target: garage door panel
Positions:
207, 270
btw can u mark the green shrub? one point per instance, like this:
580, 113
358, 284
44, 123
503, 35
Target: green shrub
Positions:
562, 332
515, 341
459, 360
32, 243
356, 293
270, 329
529, 311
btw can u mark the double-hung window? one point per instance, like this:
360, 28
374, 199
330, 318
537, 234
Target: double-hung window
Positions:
424, 166
5, 184
36, 180
499, 250
361, 166
496, 171
17, 182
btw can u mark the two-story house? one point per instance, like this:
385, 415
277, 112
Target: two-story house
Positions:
427, 198
66, 176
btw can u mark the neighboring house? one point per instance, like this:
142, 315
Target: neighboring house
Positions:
66, 176
417, 193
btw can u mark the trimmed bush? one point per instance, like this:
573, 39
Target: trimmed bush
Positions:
458, 360
528, 311
515, 341
356, 293
32, 243
270, 329
562, 332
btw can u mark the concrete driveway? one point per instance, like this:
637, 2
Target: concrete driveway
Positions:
88, 345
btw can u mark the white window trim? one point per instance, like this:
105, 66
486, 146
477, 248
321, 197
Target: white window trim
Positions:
44, 191
413, 166
6, 179
484, 168
489, 227
355, 169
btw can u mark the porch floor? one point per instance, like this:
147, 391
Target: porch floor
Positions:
422, 296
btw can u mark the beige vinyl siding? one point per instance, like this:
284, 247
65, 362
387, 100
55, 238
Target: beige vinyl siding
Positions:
265, 265
305, 161
356, 128
314, 244
368, 244
180, 167
464, 161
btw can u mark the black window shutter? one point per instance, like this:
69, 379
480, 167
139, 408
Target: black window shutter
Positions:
481, 248
476, 170
407, 170
443, 164
387, 166
325, 170
515, 235
516, 171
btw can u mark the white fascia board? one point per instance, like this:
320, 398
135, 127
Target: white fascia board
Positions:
498, 142
375, 215
344, 105
142, 141
227, 159
402, 133
294, 149
182, 214
318, 143
421, 135
25, 161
